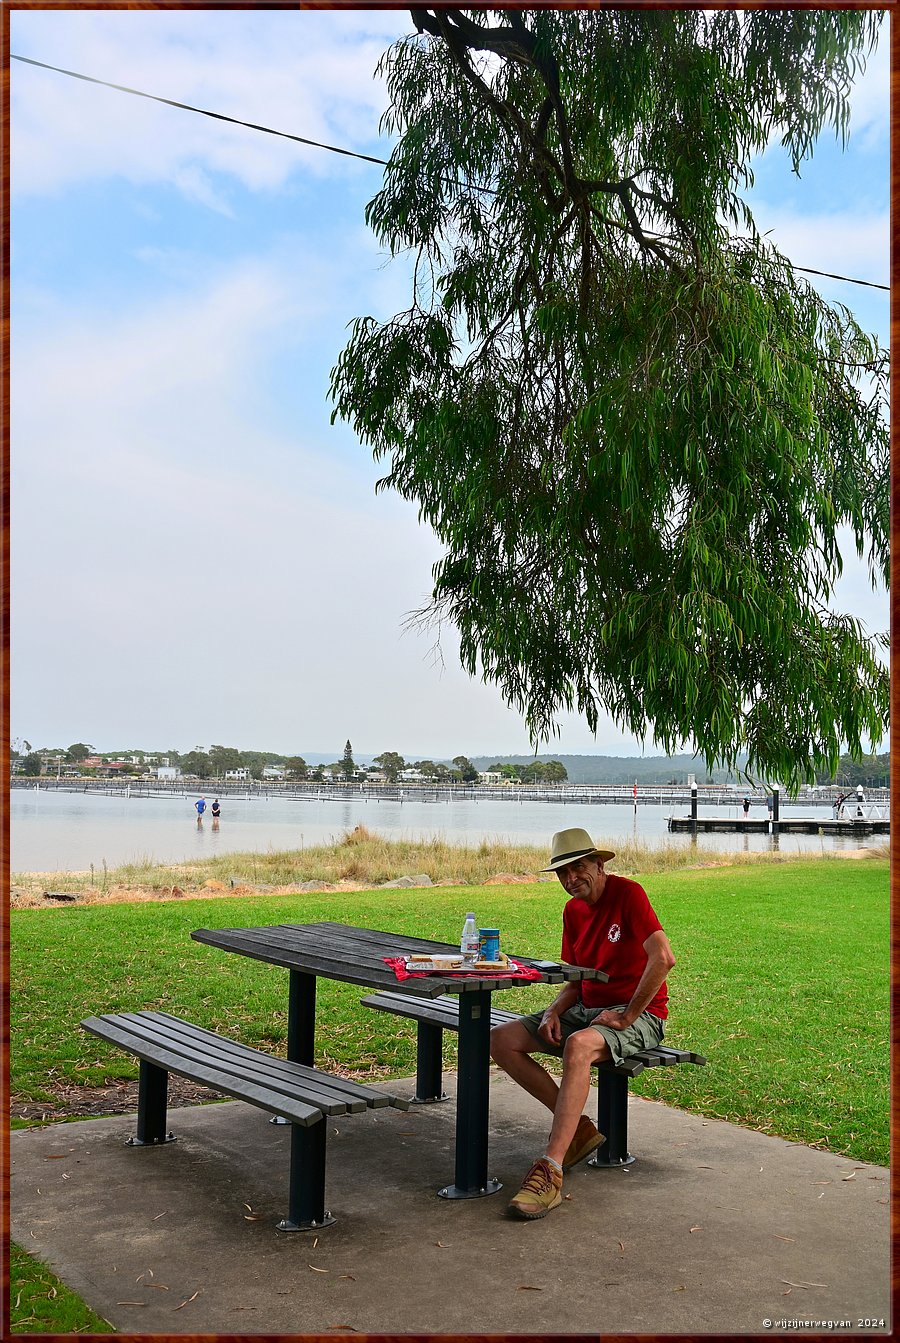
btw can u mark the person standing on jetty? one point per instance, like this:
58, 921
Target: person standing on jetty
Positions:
608, 924
200, 804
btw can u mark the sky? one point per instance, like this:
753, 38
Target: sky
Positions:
198, 555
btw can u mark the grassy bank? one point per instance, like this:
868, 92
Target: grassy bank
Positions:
782, 980
361, 859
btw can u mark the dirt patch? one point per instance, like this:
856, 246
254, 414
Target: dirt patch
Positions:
511, 879
22, 897
118, 1098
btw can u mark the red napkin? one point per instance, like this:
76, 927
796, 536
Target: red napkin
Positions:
516, 970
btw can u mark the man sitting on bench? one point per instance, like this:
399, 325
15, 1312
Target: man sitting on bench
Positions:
609, 925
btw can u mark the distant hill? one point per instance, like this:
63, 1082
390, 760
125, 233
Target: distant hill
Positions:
618, 768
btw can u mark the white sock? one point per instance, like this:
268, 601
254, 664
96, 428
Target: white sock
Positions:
554, 1164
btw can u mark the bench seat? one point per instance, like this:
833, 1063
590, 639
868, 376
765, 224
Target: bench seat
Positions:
292, 1091
434, 1015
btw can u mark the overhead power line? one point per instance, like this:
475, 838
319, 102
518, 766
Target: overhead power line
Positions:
201, 111
318, 144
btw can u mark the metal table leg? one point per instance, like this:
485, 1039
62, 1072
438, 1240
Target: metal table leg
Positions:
301, 1037
473, 1099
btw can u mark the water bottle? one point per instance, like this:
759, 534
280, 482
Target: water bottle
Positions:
469, 942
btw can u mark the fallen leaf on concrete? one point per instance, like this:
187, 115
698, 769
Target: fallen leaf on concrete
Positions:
824, 1181
190, 1298
789, 1239
158, 1286
160, 1214
342, 1326
315, 1242
348, 1275
682, 1288
567, 1195
524, 1287
247, 1206
621, 1247
787, 1293
253, 1216
696, 1228
802, 1284
66, 1176
440, 1244
131, 1303
851, 1176
318, 1270
56, 1156
704, 1167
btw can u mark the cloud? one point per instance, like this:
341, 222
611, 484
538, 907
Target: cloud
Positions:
844, 241
303, 72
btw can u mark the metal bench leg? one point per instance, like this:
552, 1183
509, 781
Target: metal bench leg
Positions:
306, 1195
612, 1119
153, 1085
429, 1047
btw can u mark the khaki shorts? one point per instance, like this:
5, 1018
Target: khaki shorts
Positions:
644, 1033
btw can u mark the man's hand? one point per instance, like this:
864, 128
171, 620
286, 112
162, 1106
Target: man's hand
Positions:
550, 1029
618, 1020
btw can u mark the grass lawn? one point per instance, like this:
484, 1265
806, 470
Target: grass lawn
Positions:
41, 1303
782, 981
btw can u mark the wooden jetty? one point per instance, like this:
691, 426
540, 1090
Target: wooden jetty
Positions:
796, 825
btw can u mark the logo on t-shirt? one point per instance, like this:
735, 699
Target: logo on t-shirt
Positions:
614, 933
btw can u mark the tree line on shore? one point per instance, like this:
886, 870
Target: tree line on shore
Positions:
873, 771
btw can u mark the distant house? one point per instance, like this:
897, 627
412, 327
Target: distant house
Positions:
237, 774
273, 771
167, 772
489, 776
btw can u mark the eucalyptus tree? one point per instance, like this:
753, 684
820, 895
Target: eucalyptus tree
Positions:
633, 425
390, 763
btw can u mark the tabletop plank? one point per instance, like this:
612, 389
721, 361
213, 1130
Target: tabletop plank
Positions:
404, 942
357, 956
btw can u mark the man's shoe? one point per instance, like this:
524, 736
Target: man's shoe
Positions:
587, 1136
541, 1192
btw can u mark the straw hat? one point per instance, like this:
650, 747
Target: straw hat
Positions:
567, 845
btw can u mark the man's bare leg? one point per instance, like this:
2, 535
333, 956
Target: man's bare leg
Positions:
583, 1049
511, 1049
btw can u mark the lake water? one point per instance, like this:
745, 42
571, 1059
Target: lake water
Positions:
66, 832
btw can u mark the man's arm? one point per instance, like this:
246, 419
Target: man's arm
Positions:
568, 996
659, 962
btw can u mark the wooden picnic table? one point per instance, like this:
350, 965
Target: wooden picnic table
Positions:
357, 956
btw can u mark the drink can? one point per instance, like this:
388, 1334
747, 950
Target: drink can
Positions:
489, 944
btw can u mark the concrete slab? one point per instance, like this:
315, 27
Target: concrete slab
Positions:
714, 1230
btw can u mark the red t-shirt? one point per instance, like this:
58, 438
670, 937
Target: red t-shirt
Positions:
610, 936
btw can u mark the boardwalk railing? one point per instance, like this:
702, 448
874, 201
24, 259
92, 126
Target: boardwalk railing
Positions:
567, 793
